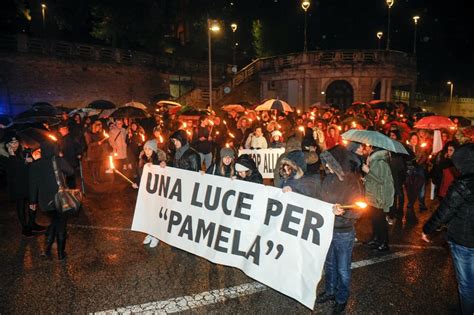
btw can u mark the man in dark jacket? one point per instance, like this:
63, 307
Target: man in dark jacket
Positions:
341, 185
185, 157
71, 151
457, 212
43, 188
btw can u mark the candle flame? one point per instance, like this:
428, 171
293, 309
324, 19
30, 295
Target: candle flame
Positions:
161, 139
339, 127
143, 137
111, 162
401, 115
52, 137
231, 135
424, 144
407, 142
383, 122
225, 122
227, 145
185, 125
188, 132
429, 157
106, 134
115, 154
452, 128
354, 124
217, 132
361, 204
345, 142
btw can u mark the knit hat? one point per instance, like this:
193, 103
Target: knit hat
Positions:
227, 152
276, 133
152, 145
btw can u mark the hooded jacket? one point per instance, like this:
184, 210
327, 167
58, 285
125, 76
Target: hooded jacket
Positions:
185, 157
379, 189
457, 208
43, 186
254, 175
343, 185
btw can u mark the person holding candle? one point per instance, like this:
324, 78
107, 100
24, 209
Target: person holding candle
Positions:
118, 142
340, 185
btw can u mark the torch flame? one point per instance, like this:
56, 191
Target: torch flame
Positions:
185, 125
161, 139
361, 204
106, 134
52, 137
227, 145
339, 127
345, 142
225, 122
217, 132
111, 162
354, 124
383, 122
143, 137
424, 144
231, 135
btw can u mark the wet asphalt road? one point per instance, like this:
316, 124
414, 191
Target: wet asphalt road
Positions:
108, 268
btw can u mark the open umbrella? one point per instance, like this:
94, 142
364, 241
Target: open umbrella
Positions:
192, 111
319, 105
136, 104
233, 107
374, 138
33, 137
101, 104
274, 104
36, 116
129, 112
168, 104
435, 122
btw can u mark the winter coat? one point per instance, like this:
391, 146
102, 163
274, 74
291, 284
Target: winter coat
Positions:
343, 186
118, 142
17, 176
398, 167
202, 146
457, 208
188, 160
379, 189
253, 175
254, 142
299, 183
96, 149
293, 144
70, 149
42, 181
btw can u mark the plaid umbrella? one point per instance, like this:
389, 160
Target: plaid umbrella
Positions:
374, 138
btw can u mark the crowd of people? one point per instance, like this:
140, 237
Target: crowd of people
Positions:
317, 162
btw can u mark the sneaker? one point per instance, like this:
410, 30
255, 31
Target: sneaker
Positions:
154, 242
324, 297
383, 248
390, 221
147, 239
339, 308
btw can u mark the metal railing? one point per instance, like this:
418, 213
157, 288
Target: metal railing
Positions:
400, 95
24, 44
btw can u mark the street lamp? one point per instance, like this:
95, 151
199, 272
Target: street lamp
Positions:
305, 5
233, 26
43, 13
415, 19
212, 26
389, 5
379, 36
450, 96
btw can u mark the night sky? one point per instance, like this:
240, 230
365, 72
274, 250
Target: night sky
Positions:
444, 45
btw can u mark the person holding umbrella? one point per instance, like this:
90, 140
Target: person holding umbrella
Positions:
17, 179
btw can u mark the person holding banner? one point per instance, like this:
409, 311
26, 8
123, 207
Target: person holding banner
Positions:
341, 185
185, 157
226, 165
247, 169
152, 155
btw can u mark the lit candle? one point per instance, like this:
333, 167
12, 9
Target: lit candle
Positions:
111, 162
423, 145
231, 135
161, 139
143, 137
50, 136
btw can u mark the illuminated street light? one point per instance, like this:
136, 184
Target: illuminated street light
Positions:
390, 4
212, 26
450, 96
233, 26
379, 39
43, 13
415, 19
305, 6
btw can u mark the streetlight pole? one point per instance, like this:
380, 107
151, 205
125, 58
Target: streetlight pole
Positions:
233, 26
415, 19
43, 13
211, 27
389, 5
451, 87
379, 39
305, 6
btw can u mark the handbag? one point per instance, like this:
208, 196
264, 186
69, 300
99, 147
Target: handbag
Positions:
66, 200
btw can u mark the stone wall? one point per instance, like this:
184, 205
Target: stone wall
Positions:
26, 79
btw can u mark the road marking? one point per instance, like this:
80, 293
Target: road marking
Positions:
188, 302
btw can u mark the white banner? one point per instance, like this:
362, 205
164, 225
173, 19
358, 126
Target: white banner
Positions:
265, 159
280, 239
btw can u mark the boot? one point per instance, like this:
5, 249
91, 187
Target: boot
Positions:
34, 227
61, 247
48, 242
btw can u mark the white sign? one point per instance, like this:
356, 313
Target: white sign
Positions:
280, 239
265, 159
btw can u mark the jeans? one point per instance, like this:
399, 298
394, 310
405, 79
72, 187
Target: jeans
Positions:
337, 267
463, 258
206, 158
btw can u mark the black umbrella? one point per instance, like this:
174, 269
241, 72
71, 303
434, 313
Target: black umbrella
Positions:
33, 137
129, 112
43, 106
102, 104
36, 116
